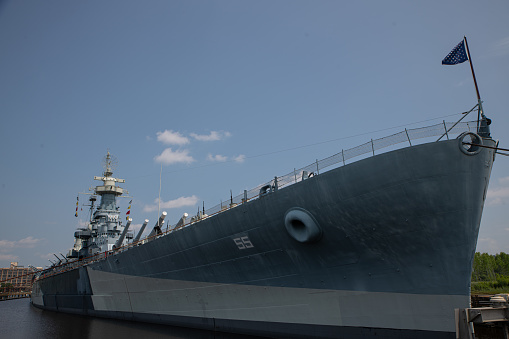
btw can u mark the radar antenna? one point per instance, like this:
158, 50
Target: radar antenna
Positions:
110, 163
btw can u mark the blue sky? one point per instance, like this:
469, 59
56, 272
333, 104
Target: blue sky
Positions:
224, 93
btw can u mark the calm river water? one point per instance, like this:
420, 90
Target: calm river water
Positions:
20, 320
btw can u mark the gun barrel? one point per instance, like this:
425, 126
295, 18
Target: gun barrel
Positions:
182, 221
157, 227
122, 236
138, 236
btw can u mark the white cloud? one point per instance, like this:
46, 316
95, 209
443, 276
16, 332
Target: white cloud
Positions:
83, 223
213, 136
28, 242
497, 195
172, 138
222, 158
9, 257
8, 245
487, 245
169, 157
176, 203
5, 244
501, 47
240, 158
503, 181
217, 157
135, 228
47, 256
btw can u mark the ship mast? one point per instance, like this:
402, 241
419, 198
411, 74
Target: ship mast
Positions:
109, 187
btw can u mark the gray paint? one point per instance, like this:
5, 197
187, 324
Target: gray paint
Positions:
399, 225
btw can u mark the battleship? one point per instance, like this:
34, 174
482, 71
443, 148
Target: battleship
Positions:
378, 246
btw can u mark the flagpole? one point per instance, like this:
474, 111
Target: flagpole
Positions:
159, 202
475, 83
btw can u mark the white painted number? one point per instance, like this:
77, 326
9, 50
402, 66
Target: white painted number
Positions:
243, 243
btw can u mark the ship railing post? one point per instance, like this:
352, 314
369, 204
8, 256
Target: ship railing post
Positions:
295, 174
343, 155
457, 122
446, 133
317, 171
373, 147
406, 131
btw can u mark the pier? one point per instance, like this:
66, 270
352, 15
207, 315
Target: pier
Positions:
14, 295
489, 320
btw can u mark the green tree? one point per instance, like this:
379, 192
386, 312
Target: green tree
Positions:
5, 287
483, 267
502, 263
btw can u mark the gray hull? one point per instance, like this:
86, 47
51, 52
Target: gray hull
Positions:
394, 259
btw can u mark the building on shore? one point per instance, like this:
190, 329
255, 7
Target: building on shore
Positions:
16, 278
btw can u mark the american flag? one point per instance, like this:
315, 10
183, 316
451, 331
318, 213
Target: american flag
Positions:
457, 55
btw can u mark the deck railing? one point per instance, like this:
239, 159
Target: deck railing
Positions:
372, 147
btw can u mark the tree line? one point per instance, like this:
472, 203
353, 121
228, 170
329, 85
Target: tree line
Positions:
488, 267
490, 273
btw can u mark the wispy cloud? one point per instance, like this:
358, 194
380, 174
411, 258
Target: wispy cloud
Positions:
213, 136
499, 195
168, 157
168, 137
176, 203
488, 245
240, 158
217, 157
7, 246
83, 223
503, 181
135, 228
223, 158
47, 256
9, 257
501, 47
28, 242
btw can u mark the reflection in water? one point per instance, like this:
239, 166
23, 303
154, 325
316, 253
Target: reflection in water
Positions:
18, 319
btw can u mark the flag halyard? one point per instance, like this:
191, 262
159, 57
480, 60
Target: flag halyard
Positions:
128, 211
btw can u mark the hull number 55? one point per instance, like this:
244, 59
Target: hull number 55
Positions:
243, 243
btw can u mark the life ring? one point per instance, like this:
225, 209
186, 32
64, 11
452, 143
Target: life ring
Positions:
470, 138
302, 226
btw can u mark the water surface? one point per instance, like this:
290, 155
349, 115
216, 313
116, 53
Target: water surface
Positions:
20, 320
